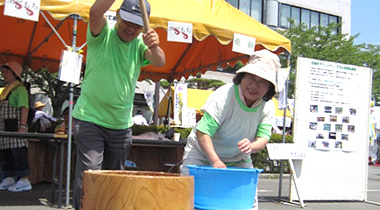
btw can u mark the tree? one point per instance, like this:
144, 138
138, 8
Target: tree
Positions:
324, 43
56, 90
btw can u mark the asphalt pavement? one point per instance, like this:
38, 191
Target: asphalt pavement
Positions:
40, 196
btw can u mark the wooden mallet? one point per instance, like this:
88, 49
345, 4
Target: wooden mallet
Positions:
144, 15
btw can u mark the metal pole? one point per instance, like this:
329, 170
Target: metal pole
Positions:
167, 120
156, 102
283, 132
71, 99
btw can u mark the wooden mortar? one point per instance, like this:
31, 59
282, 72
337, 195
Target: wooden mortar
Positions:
113, 190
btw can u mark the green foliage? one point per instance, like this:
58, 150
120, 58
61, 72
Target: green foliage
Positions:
233, 69
261, 158
205, 84
164, 84
184, 132
140, 129
324, 43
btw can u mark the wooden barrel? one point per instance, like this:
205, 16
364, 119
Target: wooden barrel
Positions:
113, 190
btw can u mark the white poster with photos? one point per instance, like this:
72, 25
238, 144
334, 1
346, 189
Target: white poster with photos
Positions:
331, 106
331, 122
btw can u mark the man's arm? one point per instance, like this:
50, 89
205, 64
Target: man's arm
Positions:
154, 54
97, 18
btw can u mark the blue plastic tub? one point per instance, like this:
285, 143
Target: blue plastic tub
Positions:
224, 188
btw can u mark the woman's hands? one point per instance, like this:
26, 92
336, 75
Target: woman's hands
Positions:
246, 146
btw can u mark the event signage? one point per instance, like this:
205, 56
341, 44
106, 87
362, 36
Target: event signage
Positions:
189, 117
179, 102
243, 44
180, 32
331, 121
25, 9
70, 67
278, 151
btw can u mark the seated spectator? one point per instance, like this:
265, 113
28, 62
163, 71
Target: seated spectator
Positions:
41, 121
139, 119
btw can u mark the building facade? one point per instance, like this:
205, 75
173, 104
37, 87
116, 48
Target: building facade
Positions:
275, 13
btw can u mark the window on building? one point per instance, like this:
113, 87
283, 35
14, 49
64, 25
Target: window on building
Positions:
314, 19
244, 6
284, 15
324, 20
256, 10
333, 19
305, 17
233, 3
296, 15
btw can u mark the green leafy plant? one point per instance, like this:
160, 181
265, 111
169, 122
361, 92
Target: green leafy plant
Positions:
261, 158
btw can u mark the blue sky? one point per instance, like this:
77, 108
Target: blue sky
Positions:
365, 19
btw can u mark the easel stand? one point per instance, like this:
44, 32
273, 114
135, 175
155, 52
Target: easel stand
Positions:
289, 152
294, 177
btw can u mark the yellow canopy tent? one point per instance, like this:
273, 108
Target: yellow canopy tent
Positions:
214, 24
195, 99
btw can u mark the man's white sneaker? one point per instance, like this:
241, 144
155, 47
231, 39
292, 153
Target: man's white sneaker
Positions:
21, 185
6, 183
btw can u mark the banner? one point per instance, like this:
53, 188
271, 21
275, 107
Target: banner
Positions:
179, 102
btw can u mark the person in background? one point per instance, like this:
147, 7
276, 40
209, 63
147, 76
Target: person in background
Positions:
103, 117
63, 127
237, 119
45, 121
139, 119
14, 106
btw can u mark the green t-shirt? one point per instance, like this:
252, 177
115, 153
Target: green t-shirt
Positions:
108, 87
19, 98
227, 121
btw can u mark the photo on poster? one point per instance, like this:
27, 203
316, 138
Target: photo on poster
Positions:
351, 128
313, 108
323, 145
338, 127
333, 118
320, 119
332, 135
319, 136
344, 136
352, 111
313, 126
338, 145
312, 143
328, 109
327, 127
345, 119
338, 110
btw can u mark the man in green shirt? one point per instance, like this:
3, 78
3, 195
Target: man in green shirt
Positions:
103, 114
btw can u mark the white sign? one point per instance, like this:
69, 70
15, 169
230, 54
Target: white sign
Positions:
70, 67
148, 95
189, 117
180, 32
243, 44
285, 151
25, 9
179, 102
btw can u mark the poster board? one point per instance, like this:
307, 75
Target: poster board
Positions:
332, 103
